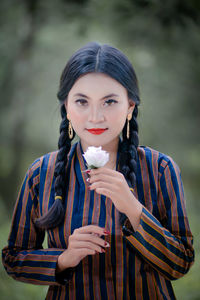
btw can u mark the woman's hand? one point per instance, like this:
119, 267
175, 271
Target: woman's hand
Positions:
112, 184
84, 241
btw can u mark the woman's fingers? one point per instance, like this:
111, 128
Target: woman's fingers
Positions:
88, 245
83, 252
88, 238
102, 170
102, 177
112, 180
91, 229
104, 185
105, 174
84, 241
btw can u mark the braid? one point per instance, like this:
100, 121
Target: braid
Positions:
55, 214
128, 150
128, 154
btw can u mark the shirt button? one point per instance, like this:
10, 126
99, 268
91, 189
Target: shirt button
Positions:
125, 230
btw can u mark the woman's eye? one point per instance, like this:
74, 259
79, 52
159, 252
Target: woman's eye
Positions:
110, 102
81, 102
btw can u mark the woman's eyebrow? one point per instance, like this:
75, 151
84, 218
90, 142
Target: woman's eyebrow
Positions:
109, 96
105, 97
81, 95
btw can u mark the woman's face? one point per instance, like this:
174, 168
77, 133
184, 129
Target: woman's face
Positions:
97, 106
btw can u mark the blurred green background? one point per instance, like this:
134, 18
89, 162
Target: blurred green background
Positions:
162, 40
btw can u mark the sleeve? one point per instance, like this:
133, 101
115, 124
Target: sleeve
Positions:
168, 248
24, 258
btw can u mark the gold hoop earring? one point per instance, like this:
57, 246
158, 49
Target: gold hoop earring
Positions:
128, 126
70, 130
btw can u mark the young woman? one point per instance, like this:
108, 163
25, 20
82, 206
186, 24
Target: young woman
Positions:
116, 232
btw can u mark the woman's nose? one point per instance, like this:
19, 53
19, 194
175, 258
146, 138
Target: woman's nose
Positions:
96, 115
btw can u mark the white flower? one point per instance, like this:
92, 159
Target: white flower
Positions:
96, 157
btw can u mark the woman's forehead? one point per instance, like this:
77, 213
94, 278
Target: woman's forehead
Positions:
97, 83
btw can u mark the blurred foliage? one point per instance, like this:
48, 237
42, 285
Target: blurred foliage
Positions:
162, 40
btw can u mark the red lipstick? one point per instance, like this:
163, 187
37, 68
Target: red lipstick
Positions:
97, 130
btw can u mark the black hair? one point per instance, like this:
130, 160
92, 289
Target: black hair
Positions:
91, 58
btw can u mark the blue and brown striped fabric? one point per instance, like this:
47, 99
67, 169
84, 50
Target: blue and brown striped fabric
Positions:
138, 266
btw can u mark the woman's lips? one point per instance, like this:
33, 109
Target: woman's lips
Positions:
97, 130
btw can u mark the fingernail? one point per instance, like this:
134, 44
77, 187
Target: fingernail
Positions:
88, 179
106, 244
102, 250
88, 171
106, 232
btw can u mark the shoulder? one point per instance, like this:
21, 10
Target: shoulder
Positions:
46, 161
155, 159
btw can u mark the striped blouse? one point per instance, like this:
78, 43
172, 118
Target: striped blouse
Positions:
140, 265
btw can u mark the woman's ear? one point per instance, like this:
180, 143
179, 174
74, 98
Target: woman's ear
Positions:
131, 107
65, 103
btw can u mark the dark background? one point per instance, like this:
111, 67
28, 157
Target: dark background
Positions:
161, 39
